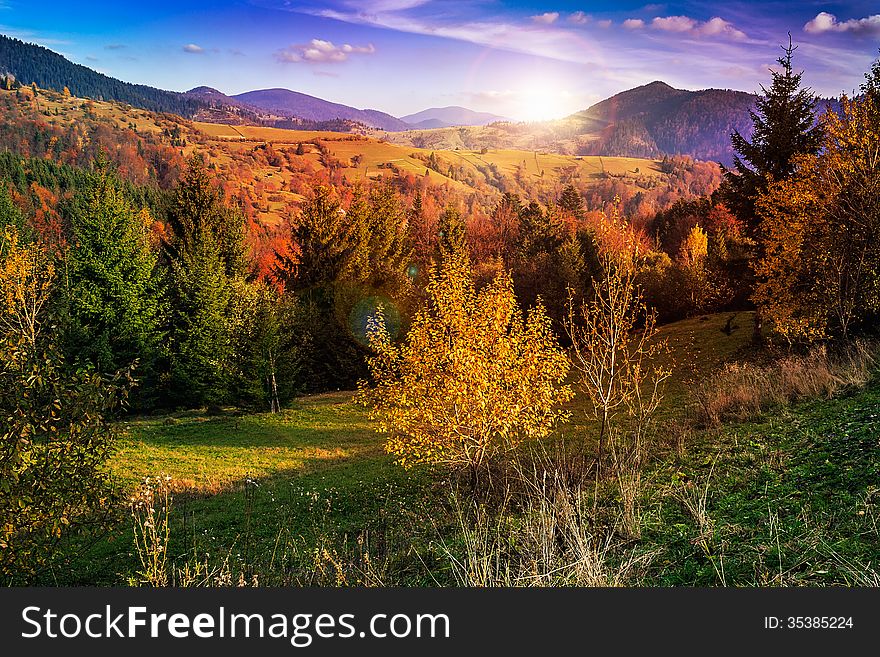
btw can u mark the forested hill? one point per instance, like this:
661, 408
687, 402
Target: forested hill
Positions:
30, 63
656, 119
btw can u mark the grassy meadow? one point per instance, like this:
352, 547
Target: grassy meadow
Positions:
308, 496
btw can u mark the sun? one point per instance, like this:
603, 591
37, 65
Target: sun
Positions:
543, 102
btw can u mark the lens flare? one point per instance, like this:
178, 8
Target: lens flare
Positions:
366, 311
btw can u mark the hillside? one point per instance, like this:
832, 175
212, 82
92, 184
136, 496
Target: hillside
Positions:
791, 495
654, 119
295, 104
272, 170
447, 117
29, 63
649, 121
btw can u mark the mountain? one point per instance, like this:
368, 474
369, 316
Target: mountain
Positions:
29, 63
295, 104
649, 121
220, 108
657, 119
447, 117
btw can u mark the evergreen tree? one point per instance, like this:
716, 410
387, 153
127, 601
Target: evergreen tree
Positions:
871, 89
269, 348
198, 207
208, 266
114, 297
202, 334
323, 240
10, 215
571, 202
784, 127
379, 248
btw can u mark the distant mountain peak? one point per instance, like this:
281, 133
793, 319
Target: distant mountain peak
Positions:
304, 106
449, 116
204, 91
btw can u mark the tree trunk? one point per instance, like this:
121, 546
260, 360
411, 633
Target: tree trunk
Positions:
757, 330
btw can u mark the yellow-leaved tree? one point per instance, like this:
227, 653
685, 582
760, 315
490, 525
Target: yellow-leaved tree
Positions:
474, 378
820, 276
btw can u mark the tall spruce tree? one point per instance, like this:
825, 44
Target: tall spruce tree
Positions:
208, 259
784, 126
202, 320
10, 215
198, 207
324, 241
114, 295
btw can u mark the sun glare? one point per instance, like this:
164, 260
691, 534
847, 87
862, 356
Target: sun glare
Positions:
544, 102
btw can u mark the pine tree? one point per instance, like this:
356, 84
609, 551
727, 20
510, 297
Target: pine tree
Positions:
571, 202
203, 337
114, 297
871, 89
10, 215
784, 127
198, 207
379, 249
324, 241
208, 267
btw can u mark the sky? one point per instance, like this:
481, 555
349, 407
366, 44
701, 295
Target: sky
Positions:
523, 60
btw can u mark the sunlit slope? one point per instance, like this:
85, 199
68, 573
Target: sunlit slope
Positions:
364, 157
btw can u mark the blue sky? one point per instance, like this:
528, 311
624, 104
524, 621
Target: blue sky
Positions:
525, 60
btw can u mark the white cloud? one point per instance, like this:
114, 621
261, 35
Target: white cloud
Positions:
193, 49
633, 23
578, 18
547, 18
685, 24
604, 24
674, 23
320, 51
825, 22
719, 26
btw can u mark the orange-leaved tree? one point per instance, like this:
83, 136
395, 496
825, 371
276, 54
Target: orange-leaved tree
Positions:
474, 378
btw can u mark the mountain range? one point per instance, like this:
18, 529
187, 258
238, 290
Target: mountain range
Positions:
649, 121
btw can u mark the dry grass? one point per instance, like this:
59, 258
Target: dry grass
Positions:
743, 391
551, 541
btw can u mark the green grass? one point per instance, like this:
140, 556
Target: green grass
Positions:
210, 454
791, 498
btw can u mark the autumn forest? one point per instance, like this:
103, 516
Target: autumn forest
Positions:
242, 347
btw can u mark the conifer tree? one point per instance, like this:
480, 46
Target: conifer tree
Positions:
198, 207
323, 240
379, 249
208, 267
114, 296
202, 332
10, 215
784, 127
571, 202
